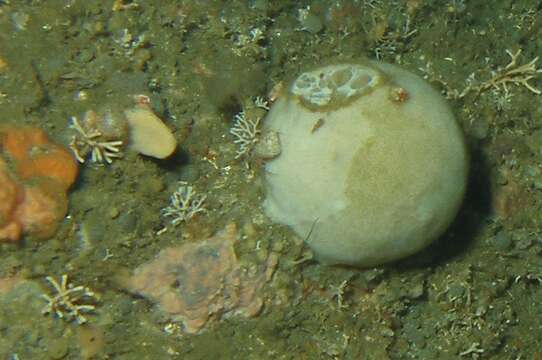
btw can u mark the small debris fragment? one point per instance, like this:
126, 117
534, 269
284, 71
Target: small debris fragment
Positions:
474, 350
513, 73
502, 78
338, 292
317, 125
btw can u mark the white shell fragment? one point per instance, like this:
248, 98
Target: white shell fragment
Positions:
148, 134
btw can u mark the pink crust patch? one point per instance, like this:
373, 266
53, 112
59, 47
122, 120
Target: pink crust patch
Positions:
200, 282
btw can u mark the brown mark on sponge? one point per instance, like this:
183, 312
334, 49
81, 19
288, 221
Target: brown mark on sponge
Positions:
398, 94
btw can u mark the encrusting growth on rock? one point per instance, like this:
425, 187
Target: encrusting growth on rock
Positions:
198, 282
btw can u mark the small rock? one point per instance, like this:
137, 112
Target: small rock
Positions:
502, 240
269, 146
58, 349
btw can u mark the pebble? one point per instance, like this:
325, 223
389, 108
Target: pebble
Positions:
312, 23
502, 240
269, 146
58, 349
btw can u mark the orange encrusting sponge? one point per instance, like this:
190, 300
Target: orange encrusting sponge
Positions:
18, 141
51, 161
35, 174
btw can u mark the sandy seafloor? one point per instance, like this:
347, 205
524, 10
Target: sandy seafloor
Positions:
474, 294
